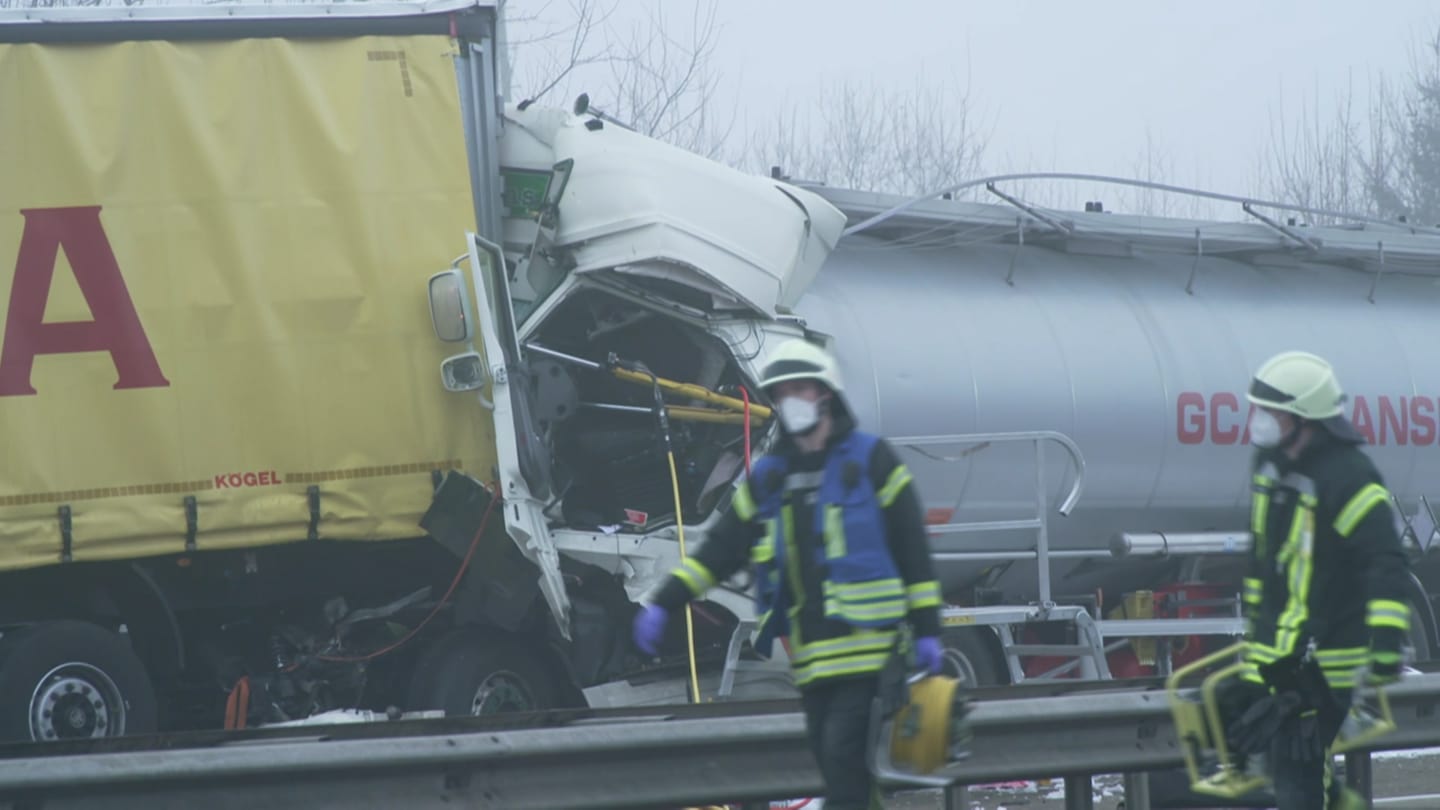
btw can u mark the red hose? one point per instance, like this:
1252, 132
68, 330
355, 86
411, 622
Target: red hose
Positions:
459, 574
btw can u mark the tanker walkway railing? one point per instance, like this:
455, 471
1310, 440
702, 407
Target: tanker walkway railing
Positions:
1089, 653
975, 442
643, 761
1091, 648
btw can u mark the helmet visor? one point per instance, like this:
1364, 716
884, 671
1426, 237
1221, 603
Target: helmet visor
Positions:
1263, 392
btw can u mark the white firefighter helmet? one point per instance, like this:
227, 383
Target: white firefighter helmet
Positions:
799, 359
1305, 385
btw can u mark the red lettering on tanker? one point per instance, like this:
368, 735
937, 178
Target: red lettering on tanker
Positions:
1220, 419
115, 326
247, 479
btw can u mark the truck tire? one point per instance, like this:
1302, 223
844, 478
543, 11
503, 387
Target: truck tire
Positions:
471, 671
67, 680
973, 656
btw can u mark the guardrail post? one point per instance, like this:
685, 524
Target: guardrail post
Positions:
1137, 791
1360, 775
957, 797
1078, 795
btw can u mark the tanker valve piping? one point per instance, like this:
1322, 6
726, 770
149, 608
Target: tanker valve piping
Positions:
1180, 544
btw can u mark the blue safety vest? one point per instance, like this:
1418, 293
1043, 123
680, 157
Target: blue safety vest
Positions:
862, 587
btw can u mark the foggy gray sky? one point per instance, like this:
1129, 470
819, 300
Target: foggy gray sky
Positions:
1074, 86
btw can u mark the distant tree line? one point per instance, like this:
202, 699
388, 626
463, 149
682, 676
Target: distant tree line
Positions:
661, 79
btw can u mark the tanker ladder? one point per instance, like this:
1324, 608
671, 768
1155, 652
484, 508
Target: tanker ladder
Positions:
1091, 647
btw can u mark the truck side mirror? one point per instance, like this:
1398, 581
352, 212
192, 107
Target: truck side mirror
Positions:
463, 372
447, 306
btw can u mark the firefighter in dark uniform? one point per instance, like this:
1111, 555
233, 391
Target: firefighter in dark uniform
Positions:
1325, 591
836, 537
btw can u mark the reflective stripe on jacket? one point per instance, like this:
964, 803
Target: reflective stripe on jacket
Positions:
862, 587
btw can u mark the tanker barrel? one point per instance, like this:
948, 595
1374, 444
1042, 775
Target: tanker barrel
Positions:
1181, 544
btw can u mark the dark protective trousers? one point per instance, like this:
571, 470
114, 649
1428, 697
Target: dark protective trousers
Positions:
1306, 784
837, 718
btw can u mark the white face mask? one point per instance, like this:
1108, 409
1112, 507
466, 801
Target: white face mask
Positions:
798, 415
1265, 430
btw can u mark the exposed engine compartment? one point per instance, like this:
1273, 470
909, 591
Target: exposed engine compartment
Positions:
609, 454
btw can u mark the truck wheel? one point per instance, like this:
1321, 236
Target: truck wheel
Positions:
68, 680
469, 671
970, 657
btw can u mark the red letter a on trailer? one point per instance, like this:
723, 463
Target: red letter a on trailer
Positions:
116, 326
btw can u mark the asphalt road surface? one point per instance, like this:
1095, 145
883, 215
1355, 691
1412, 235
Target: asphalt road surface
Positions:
1404, 780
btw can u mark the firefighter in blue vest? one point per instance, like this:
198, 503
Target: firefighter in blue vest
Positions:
834, 531
1326, 589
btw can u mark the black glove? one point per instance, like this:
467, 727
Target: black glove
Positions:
1301, 739
1286, 674
1235, 695
1256, 728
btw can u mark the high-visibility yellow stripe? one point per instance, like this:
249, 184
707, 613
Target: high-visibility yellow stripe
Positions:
1388, 613
875, 589
1261, 653
849, 665
1253, 591
861, 641
923, 595
696, 576
867, 611
834, 532
1340, 654
1339, 666
894, 484
743, 503
1337, 674
1260, 511
1358, 507
1287, 629
764, 549
792, 554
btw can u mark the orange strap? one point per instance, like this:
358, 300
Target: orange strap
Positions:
237, 706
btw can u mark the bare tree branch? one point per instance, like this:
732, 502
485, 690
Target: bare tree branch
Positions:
665, 87
661, 83
584, 19
1389, 167
870, 137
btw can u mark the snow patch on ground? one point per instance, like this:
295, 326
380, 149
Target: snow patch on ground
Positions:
1408, 753
1054, 789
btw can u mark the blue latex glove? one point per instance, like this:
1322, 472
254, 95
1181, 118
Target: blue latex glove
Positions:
650, 628
929, 655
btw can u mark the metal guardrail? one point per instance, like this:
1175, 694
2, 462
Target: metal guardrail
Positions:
642, 763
